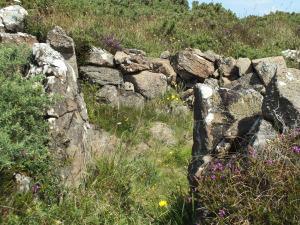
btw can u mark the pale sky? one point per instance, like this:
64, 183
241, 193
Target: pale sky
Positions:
257, 7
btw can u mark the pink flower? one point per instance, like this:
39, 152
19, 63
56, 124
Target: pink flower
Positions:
222, 213
296, 149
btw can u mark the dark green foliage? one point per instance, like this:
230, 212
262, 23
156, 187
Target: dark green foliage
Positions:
23, 130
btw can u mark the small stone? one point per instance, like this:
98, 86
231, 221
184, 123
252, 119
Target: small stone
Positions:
128, 86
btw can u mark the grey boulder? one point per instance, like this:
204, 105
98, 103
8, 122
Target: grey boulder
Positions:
282, 100
101, 75
148, 84
13, 18
100, 57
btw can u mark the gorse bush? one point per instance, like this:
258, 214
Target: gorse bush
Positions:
23, 130
262, 188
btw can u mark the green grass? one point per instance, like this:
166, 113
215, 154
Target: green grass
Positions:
155, 26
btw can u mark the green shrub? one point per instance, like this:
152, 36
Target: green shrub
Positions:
23, 130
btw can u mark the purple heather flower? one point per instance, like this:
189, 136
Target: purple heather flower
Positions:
296, 149
36, 188
213, 177
252, 152
222, 213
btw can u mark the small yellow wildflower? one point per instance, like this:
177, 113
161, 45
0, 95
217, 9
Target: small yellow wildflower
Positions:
163, 203
177, 99
168, 98
173, 96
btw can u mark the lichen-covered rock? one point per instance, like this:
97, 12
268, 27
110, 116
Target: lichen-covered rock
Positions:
61, 42
222, 117
148, 84
99, 57
267, 67
190, 64
17, 38
131, 63
72, 139
13, 18
128, 86
101, 75
228, 68
282, 100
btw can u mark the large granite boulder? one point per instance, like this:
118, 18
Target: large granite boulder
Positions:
61, 42
12, 18
101, 75
190, 64
18, 38
148, 84
99, 57
73, 142
222, 117
282, 100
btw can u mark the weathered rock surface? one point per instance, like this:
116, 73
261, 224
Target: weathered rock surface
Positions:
244, 66
189, 65
100, 57
72, 139
248, 81
12, 18
112, 96
101, 75
228, 68
164, 66
131, 63
165, 55
17, 38
61, 42
282, 100
261, 132
292, 54
163, 133
267, 67
148, 84
222, 116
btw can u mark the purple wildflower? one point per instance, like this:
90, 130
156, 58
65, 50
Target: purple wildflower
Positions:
36, 188
218, 166
213, 177
296, 149
222, 213
252, 152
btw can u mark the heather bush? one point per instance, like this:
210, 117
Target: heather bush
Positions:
260, 188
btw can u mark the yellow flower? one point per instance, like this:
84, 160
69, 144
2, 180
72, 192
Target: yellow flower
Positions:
173, 96
177, 99
57, 222
163, 203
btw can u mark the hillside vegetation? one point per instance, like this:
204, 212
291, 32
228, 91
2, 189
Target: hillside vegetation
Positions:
144, 180
155, 26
